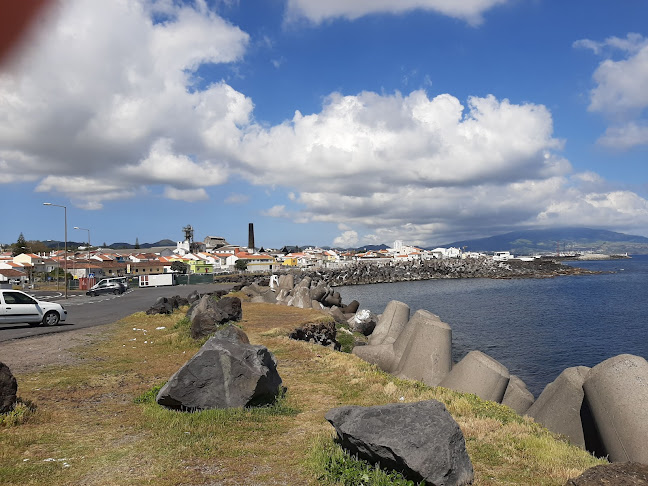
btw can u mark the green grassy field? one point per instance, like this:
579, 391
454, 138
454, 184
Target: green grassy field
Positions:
97, 423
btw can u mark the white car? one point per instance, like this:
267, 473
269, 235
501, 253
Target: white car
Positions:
17, 306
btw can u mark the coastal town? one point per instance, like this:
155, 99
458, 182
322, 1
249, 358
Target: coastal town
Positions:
214, 256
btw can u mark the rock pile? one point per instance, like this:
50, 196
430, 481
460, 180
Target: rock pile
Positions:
322, 333
372, 272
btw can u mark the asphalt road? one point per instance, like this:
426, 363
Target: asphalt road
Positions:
85, 311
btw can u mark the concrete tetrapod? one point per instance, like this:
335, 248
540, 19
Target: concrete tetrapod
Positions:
517, 396
480, 374
388, 356
616, 391
559, 405
428, 355
391, 323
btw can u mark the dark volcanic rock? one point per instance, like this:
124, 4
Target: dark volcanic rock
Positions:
420, 439
615, 474
226, 372
209, 314
322, 333
8, 389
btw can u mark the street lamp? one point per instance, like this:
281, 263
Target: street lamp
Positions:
64, 261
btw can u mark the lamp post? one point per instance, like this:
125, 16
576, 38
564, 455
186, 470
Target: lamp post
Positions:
64, 261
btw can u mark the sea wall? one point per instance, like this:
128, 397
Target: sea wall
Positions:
369, 273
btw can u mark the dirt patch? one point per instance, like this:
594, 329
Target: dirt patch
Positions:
57, 349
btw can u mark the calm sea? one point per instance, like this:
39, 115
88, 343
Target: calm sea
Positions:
534, 327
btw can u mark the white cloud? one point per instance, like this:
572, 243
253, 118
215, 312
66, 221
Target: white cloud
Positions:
237, 199
88, 101
318, 11
620, 92
278, 211
188, 195
346, 239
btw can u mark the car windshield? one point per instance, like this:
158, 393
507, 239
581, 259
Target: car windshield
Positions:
17, 298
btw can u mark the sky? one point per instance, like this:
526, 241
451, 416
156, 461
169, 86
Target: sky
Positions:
330, 123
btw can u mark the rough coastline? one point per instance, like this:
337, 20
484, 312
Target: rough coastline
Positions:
370, 273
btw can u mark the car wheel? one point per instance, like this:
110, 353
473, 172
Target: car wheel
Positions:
51, 319
116, 291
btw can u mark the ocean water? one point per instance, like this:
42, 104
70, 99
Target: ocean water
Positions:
534, 327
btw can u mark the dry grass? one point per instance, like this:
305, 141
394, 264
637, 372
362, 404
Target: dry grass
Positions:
88, 428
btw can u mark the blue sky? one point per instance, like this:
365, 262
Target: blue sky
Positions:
330, 123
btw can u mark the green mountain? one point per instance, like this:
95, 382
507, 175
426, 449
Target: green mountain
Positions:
529, 242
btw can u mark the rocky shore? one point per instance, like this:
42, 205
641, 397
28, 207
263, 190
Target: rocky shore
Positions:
369, 273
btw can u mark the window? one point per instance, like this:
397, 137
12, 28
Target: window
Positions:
17, 298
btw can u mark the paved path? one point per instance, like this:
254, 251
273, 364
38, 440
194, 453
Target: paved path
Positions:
85, 311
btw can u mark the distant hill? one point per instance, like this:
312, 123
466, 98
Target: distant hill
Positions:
528, 242
117, 246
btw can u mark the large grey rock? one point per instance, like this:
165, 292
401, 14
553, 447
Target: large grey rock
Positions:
8, 389
420, 439
559, 405
351, 308
517, 396
617, 474
225, 373
616, 391
208, 315
428, 354
391, 323
480, 374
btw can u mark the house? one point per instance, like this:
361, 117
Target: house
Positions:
257, 262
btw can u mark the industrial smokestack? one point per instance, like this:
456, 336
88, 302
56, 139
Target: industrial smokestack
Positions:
251, 236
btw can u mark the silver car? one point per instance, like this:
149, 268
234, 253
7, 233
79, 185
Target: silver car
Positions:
17, 306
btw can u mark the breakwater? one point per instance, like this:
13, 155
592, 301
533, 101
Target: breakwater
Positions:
371, 273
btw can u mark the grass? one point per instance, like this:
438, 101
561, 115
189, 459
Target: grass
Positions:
96, 422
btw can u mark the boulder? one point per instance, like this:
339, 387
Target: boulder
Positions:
208, 315
517, 396
364, 321
162, 306
226, 372
322, 333
231, 306
480, 374
391, 323
616, 392
428, 354
616, 474
336, 313
420, 440
193, 297
559, 405
8, 389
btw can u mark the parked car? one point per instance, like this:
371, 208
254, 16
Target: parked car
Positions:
108, 286
17, 306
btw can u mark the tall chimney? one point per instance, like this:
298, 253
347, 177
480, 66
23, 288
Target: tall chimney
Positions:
251, 236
